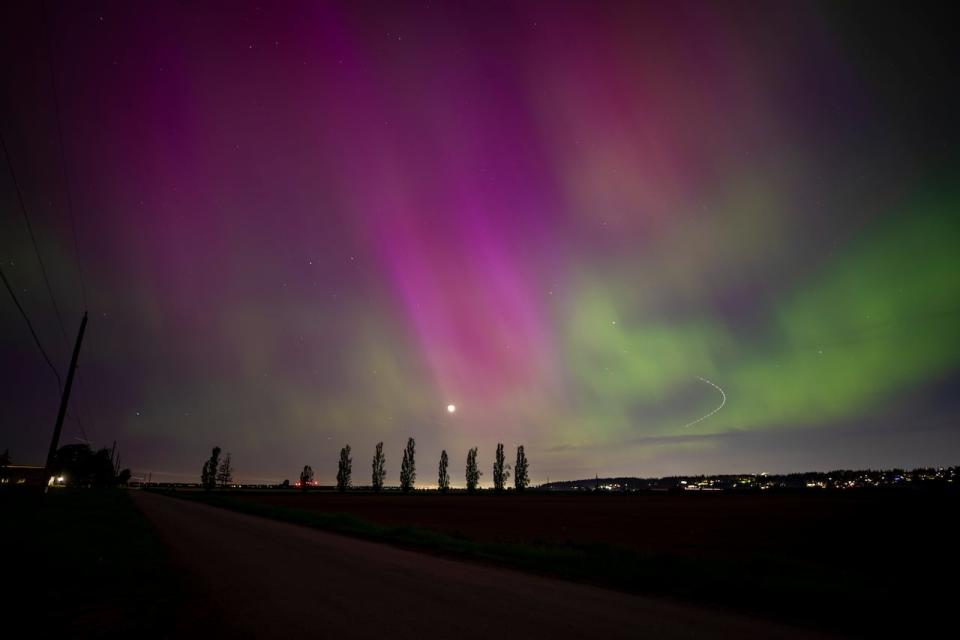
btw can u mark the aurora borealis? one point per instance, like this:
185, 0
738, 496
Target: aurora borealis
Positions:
314, 224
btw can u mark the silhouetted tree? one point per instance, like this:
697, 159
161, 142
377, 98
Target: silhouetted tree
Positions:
5, 458
408, 468
443, 480
520, 476
123, 477
473, 472
285, 484
82, 467
305, 477
501, 471
379, 472
225, 473
344, 469
209, 476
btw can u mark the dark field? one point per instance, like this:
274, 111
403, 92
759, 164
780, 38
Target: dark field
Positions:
860, 562
822, 527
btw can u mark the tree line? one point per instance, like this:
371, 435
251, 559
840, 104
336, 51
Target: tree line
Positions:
79, 465
219, 473
408, 470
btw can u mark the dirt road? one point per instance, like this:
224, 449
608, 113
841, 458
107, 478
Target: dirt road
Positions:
269, 579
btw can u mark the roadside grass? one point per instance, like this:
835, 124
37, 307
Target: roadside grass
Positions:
84, 563
773, 586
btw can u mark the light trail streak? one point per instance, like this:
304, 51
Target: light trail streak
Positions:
723, 401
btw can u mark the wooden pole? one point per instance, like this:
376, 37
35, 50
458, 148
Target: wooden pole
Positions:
64, 400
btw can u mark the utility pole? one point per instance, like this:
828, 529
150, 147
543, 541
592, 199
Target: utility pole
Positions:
64, 401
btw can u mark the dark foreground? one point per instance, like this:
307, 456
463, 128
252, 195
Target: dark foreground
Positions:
91, 564
83, 564
266, 578
862, 563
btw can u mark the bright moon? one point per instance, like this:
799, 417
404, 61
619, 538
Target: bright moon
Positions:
451, 408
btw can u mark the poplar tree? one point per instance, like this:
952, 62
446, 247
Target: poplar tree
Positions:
501, 470
443, 480
520, 476
473, 473
344, 469
408, 468
379, 472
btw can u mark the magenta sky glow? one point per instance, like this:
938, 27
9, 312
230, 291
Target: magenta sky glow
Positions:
316, 224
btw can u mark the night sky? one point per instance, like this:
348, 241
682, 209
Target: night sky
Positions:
640, 239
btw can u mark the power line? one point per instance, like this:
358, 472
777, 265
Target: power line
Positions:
33, 239
63, 154
73, 228
36, 339
83, 431
46, 280
43, 351
82, 404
